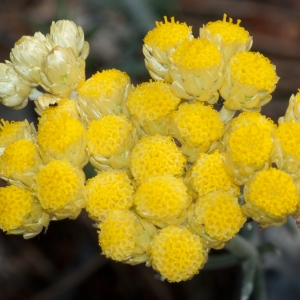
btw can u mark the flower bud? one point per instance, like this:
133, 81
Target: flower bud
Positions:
14, 90
66, 34
27, 56
62, 71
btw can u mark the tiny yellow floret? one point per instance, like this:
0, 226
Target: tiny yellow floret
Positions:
209, 175
254, 69
163, 199
197, 54
106, 135
108, 190
15, 207
10, 131
177, 254
167, 35
151, 101
156, 155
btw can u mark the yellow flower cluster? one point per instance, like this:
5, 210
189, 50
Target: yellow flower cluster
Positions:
174, 176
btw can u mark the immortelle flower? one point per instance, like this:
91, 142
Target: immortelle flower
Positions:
229, 37
60, 136
160, 42
208, 174
292, 113
286, 151
11, 132
109, 141
27, 56
150, 105
61, 71
196, 70
270, 197
20, 162
177, 254
216, 217
250, 78
67, 34
163, 200
20, 212
14, 90
108, 190
197, 127
60, 190
156, 155
125, 237
249, 146
104, 93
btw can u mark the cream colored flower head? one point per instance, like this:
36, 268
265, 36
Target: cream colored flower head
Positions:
14, 90
62, 71
292, 113
27, 56
67, 34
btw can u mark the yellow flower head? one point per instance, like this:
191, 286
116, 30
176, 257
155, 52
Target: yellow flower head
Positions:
156, 155
218, 218
271, 196
289, 136
107, 135
103, 93
197, 54
15, 206
196, 126
12, 131
122, 237
167, 35
60, 189
177, 254
20, 158
163, 200
108, 190
150, 104
254, 69
208, 175
228, 31
60, 136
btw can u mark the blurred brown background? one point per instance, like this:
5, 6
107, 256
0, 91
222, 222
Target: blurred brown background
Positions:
65, 262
